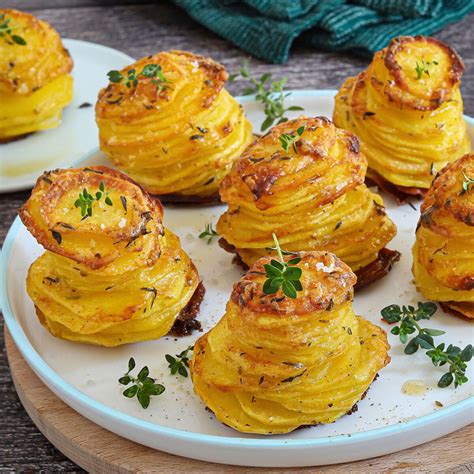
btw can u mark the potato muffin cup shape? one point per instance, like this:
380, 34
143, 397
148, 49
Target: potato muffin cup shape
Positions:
35, 80
177, 139
443, 254
312, 196
114, 274
407, 110
273, 364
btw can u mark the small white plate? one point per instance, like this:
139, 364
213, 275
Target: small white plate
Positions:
22, 161
85, 377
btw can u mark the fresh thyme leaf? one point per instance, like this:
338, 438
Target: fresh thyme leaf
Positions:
6, 29
269, 93
180, 363
143, 386
288, 140
281, 274
456, 359
208, 233
115, 76
408, 318
153, 71
86, 200
467, 183
424, 67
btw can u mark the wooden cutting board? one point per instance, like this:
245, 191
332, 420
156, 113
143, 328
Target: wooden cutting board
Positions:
98, 450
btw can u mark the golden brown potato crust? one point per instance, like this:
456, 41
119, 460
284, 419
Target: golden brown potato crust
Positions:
441, 88
443, 255
50, 204
333, 286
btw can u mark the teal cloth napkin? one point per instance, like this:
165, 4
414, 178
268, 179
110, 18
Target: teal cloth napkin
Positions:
267, 28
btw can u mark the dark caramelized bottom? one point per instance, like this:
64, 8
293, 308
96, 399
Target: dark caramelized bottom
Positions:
188, 200
459, 308
377, 269
400, 193
186, 321
14, 139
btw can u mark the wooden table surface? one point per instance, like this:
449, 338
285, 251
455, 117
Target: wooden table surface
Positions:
140, 28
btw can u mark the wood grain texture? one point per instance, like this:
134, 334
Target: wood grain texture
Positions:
98, 450
140, 28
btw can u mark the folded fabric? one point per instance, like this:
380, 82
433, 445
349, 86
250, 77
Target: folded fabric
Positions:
267, 28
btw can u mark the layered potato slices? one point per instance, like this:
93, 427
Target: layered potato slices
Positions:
111, 273
443, 254
311, 194
172, 126
407, 110
35, 80
273, 364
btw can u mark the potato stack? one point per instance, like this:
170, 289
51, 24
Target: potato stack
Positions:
111, 273
273, 363
443, 254
311, 194
407, 110
171, 125
35, 84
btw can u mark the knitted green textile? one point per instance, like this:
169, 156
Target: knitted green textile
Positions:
267, 28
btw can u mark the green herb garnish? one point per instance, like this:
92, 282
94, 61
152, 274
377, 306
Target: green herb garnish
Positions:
408, 318
153, 71
467, 182
6, 32
270, 94
457, 360
281, 274
208, 233
288, 140
143, 386
180, 363
423, 68
86, 200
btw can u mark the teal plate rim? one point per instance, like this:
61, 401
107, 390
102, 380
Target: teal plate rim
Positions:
45, 372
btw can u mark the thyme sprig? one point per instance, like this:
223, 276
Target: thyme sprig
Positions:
408, 317
467, 182
424, 67
153, 71
180, 362
208, 233
6, 31
143, 386
289, 140
86, 200
270, 94
281, 274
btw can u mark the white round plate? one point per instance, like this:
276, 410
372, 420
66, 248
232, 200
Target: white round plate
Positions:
85, 377
22, 161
